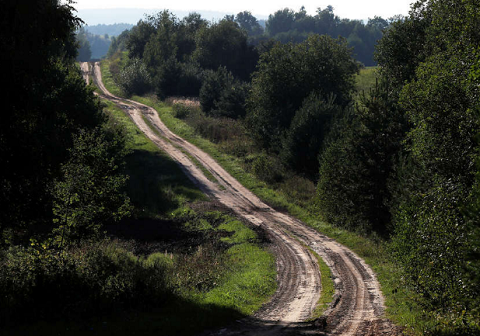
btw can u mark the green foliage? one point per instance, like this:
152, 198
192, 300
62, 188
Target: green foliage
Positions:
138, 37
118, 43
225, 44
434, 190
249, 23
52, 175
166, 45
182, 111
288, 74
89, 194
359, 162
403, 48
84, 48
287, 25
265, 168
304, 139
134, 78
280, 21
222, 95
91, 279
432, 243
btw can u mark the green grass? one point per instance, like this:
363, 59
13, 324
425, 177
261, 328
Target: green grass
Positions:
328, 288
366, 79
402, 306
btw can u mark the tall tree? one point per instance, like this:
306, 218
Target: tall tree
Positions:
47, 102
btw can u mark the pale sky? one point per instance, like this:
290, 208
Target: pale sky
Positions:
351, 9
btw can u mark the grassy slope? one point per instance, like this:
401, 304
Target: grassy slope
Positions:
401, 303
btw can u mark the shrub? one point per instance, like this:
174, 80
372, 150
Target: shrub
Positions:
304, 138
134, 78
181, 111
38, 283
222, 95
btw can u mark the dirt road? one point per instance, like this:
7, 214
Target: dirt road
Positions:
358, 307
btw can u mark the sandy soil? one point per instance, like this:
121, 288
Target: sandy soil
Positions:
358, 307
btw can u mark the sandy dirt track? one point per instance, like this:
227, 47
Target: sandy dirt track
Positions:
358, 306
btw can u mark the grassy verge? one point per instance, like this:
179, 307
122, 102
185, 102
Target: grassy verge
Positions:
328, 288
402, 306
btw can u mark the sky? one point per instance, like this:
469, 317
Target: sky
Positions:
351, 9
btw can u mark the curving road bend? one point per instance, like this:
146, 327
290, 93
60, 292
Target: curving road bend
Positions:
358, 307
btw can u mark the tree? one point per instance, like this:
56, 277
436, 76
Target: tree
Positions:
304, 139
327, 22
281, 21
359, 162
134, 78
84, 50
248, 22
288, 74
118, 43
432, 58
47, 102
89, 192
222, 95
139, 37
225, 44
403, 47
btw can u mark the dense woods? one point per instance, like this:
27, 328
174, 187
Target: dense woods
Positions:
398, 163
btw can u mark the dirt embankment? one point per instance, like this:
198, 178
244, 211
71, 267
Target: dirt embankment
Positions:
358, 307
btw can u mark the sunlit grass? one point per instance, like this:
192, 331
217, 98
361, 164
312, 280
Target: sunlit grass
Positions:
366, 80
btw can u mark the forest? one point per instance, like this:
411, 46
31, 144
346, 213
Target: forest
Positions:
284, 25
396, 164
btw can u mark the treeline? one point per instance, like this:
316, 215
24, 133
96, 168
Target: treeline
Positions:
109, 29
175, 57
400, 162
286, 25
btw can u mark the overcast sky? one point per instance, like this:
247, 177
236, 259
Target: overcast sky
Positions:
351, 9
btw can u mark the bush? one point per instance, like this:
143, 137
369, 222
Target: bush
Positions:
134, 78
304, 138
37, 283
433, 243
266, 168
181, 111
222, 95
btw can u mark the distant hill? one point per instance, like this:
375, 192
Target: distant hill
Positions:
110, 29
110, 16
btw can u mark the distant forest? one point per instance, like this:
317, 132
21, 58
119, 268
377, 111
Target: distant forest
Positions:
285, 25
110, 29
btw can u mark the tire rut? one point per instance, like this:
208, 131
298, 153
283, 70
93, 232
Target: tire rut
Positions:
358, 307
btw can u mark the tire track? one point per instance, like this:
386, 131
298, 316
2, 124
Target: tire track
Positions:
358, 307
